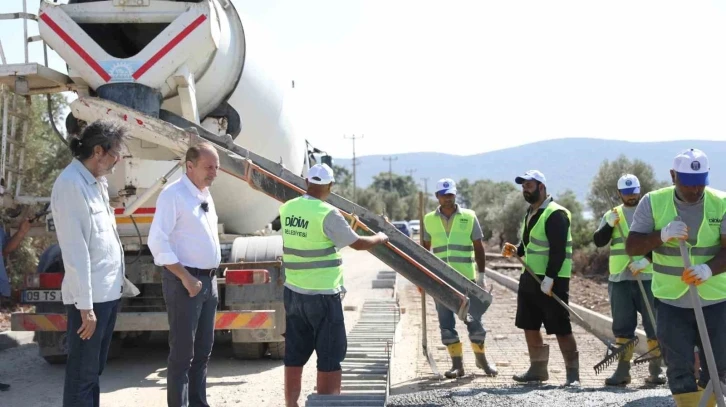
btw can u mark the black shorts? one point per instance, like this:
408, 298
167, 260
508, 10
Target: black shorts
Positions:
534, 308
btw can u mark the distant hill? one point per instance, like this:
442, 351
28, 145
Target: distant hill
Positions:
567, 163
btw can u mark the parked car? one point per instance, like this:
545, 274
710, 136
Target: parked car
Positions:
415, 226
403, 226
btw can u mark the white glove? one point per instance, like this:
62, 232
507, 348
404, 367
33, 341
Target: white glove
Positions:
639, 265
697, 274
546, 285
674, 230
612, 218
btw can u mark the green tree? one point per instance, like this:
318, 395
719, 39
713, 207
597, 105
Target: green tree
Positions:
343, 182
404, 185
604, 191
580, 227
371, 199
505, 219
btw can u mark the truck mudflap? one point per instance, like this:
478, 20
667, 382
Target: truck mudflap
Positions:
146, 321
402, 254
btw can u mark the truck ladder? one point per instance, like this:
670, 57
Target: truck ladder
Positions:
401, 253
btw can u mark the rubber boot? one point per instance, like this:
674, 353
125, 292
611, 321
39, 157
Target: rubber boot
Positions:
572, 368
293, 379
688, 399
711, 402
329, 382
654, 366
538, 358
457, 361
481, 360
622, 373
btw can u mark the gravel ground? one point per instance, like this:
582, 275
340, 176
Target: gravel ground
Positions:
535, 396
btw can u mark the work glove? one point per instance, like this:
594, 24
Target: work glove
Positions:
546, 285
481, 281
509, 250
696, 274
674, 230
638, 266
612, 218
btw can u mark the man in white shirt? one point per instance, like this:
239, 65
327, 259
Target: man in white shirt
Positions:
184, 240
92, 256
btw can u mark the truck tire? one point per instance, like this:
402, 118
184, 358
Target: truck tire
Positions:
277, 350
249, 351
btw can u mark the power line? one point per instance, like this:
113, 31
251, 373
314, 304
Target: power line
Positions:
390, 160
355, 162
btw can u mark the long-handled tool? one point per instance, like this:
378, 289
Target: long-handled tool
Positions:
424, 330
703, 332
612, 352
651, 316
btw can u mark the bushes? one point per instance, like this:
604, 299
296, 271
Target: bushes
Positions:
591, 262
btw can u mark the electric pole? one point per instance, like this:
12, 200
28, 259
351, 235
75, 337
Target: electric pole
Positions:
355, 162
390, 160
425, 182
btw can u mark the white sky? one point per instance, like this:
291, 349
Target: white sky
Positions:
433, 76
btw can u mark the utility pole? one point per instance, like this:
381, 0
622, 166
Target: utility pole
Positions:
355, 162
390, 160
425, 181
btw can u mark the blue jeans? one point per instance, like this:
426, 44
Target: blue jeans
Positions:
626, 302
87, 358
314, 323
678, 334
447, 325
191, 337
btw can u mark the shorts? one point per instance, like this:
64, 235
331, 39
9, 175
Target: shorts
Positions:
314, 323
534, 308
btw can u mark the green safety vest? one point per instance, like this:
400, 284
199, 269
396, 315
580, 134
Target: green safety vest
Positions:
456, 248
537, 251
619, 260
667, 262
310, 258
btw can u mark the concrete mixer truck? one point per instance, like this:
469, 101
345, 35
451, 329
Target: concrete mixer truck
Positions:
176, 73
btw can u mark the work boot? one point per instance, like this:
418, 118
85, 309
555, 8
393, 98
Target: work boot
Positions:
622, 373
688, 399
572, 368
481, 359
654, 366
329, 382
538, 358
457, 361
711, 402
293, 379
4, 387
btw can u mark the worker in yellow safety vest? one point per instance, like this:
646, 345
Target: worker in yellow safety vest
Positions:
454, 235
626, 299
688, 211
546, 246
313, 232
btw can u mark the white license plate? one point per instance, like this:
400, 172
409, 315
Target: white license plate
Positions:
42, 296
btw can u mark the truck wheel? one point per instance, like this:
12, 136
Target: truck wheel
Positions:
249, 351
277, 350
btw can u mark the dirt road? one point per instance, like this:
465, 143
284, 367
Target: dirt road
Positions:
138, 378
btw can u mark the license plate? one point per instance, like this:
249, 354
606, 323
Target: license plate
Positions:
42, 296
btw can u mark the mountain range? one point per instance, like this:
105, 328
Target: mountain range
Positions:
566, 163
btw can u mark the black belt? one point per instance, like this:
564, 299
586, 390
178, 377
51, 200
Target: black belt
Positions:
201, 272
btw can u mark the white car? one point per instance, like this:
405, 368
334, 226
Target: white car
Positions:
415, 226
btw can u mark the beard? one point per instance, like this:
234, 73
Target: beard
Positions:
532, 197
631, 202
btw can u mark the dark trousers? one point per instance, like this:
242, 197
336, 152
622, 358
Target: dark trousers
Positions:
678, 335
87, 358
626, 301
191, 336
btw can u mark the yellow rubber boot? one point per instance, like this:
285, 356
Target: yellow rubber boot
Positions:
654, 366
622, 372
481, 359
688, 399
457, 361
711, 400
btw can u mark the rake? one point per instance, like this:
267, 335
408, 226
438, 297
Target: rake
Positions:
612, 353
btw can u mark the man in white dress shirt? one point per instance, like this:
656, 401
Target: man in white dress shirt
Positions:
92, 256
183, 239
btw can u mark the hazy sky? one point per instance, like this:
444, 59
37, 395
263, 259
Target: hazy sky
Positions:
424, 76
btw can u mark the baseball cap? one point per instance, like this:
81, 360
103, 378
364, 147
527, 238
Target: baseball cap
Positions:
320, 174
629, 184
446, 186
531, 175
692, 167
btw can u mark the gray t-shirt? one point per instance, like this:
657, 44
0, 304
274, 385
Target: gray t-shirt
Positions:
626, 275
339, 231
692, 215
476, 232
